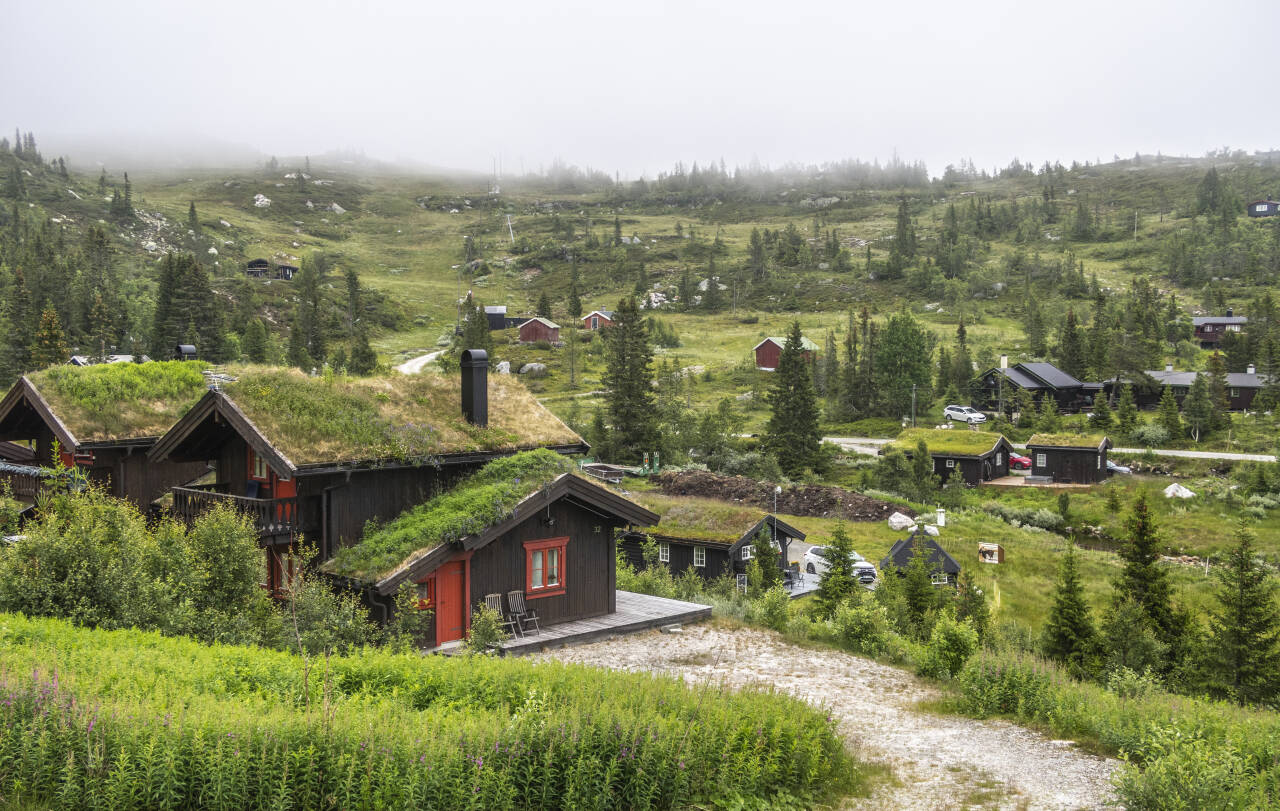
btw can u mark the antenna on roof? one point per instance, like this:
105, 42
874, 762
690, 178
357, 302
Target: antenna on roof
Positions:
214, 377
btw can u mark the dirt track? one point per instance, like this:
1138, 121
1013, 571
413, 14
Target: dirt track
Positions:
938, 761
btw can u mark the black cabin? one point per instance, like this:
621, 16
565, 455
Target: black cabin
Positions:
1069, 459
943, 568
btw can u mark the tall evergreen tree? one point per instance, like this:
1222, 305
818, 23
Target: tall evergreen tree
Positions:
792, 435
309, 316
193, 221
544, 306
254, 345
628, 377
756, 259
1037, 337
848, 407
903, 249
1101, 417
902, 364
1217, 374
831, 370
837, 583
1142, 580
1242, 645
1169, 418
1069, 633
50, 348
1126, 411
1198, 408
713, 298
475, 329
1071, 348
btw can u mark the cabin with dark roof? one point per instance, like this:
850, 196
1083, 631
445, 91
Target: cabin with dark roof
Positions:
257, 268
285, 271
769, 352
1040, 380
103, 418
1242, 387
943, 569
1209, 329
975, 456
1263, 208
315, 460
1069, 459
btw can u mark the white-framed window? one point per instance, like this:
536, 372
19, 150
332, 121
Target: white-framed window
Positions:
748, 552
1041, 461
1208, 327
1233, 327
664, 552
999, 459
1099, 461
938, 578
1260, 208
595, 322
951, 463
700, 556
742, 582
1235, 392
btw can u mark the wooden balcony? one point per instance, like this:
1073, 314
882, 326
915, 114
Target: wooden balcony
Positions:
271, 516
24, 486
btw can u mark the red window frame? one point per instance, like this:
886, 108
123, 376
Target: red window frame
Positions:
560, 545
252, 458
282, 570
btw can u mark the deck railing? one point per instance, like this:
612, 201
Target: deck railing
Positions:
25, 486
271, 516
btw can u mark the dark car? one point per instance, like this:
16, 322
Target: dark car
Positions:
1019, 462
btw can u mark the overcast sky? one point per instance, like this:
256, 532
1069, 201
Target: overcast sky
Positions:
637, 86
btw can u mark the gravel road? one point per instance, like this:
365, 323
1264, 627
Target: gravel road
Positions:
938, 761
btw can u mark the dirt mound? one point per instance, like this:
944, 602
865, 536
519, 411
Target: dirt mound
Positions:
813, 500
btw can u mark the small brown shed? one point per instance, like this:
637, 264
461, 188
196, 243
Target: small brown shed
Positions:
769, 352
539, 329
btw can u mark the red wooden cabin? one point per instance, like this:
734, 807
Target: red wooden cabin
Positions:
539, 329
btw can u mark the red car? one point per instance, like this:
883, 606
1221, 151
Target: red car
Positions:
1017, 462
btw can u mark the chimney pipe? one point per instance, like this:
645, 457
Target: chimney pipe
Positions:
1004, 361
475, 386
1251, 370
1230, 312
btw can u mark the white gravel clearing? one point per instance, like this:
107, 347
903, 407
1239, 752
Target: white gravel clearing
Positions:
938, 761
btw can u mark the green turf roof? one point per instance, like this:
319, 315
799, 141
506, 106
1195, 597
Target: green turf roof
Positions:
948, 441
479, 502
1084, 441
319, 420
119, 401
805, 344
703, 519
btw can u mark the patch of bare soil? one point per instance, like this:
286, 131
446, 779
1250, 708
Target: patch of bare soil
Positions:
938, 761
813, 500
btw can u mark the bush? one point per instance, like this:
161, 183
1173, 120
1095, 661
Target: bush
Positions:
950, 646
486, 632
861, 626
774, 608
1149, 436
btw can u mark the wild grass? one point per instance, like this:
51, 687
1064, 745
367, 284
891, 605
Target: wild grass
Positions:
958, 441
132, 720
121, 400
701, 518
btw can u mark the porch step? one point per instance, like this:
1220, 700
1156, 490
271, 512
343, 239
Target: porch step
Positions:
1039, 480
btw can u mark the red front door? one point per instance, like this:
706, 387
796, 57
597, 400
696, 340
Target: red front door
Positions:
451, 601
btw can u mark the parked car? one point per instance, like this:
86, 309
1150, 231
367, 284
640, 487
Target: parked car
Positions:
1112, 467
964, 413
815, 562
1019, 462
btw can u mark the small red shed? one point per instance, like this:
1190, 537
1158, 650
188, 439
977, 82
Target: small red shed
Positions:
597, 319
539, 329
769, 352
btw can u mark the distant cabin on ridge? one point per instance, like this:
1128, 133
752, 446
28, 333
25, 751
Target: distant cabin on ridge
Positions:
1264, 208
769, 352
597, 319
539, 329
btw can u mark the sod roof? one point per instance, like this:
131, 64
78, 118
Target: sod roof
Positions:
120, 401
948, 441
1082, 441
479, 502
318, 420
704, 519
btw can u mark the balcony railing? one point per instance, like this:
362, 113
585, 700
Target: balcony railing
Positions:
271, 516
26, 482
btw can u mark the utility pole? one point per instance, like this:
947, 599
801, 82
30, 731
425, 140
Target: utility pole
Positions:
913, 405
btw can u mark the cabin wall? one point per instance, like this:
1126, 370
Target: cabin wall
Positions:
1078, 466
589, 570
717, 556
137, 479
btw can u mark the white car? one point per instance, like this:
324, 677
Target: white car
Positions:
964, 413
815, 562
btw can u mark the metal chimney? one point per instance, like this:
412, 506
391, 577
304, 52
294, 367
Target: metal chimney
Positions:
1230, 312
1251, 370
475, 386
1168, 367
1004, 361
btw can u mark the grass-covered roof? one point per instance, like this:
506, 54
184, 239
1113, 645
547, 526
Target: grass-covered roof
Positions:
317, 420
118, 401
705, 519
479, 502
948, 441
1082, 441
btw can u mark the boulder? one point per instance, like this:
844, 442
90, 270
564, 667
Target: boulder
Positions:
899, 522
337, 209
1176, 490
224, 223
928, 529
503, 367
534, 370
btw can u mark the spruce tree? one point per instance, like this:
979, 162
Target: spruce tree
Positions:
475, 329
254, 345
942, 380
1069, 633
193, 221
971, 604
544, 306
296, 355
50, 348
628, 377
923, 480
768, 558
1242, 647
1071, 348
792, 435
1101, 417
310, 310
1219, 402
1169, 418
127, 200
1037, 342
756, 258
837, 583
1142, 580
1126, 411
1048, 420
100, 338
831, 370
1198, 408
363, 361
917, 586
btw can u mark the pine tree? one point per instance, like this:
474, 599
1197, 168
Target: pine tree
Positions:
1198, 408
1071, 348
1218, 400
50, 348
1101, 417
1126, 411
837, 583
1242, 629
1142, 580
831, 370
1036, 334
792, 435
193, 221
1069, 633
628, 377
544, 306
254, 345
1048, 420
1169, 418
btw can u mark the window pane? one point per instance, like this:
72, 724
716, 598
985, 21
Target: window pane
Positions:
553, 567
535, 579
699, 556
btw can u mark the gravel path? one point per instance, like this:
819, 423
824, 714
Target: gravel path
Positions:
938, 761
415, 365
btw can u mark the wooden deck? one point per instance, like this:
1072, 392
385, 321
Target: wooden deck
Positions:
1022, 481
634, 612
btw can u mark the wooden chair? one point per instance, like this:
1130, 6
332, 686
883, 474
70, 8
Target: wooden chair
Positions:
494, 602
523, 615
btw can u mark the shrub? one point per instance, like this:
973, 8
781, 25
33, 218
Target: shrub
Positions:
862, 626
486, 630
774, 608
1149, 436
950, 646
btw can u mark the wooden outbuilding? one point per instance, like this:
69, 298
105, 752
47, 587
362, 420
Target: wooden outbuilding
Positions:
713, 551
943, 569
62, 405
539, 329
257, 268
769, 352
1069, 458
285, 271
975, 456
1263, 208
597, 319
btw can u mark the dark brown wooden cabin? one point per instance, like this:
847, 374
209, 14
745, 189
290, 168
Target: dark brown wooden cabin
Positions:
1242, 387
571, 521
116, 461
325, 499
976, 456
943, 569
257, 268
712, 557
286, 271
1069, 459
